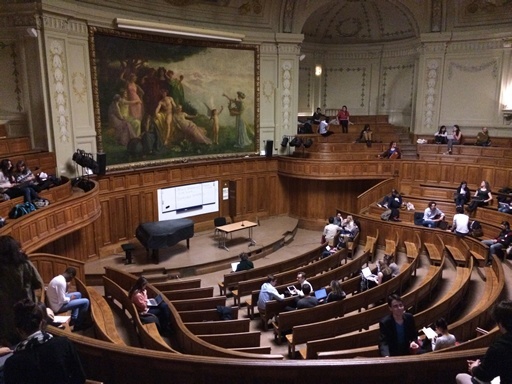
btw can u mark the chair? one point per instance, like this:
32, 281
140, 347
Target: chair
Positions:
219, 222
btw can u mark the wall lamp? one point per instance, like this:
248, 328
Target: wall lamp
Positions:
318, 70
178, 30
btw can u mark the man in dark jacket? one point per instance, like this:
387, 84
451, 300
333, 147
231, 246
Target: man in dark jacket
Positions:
398, 335
498, 358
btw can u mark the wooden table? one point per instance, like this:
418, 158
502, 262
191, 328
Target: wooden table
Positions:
227, 229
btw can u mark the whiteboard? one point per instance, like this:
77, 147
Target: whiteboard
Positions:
188, 200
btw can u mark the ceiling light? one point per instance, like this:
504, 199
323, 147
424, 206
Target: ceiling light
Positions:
177, 30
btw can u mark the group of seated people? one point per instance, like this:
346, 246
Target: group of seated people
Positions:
386, 269
304, 296
338, 232
455, 137
19, 180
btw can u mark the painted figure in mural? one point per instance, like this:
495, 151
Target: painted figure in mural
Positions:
164, 115
214, 119
236, 108
133, 90
125, 126
190, 130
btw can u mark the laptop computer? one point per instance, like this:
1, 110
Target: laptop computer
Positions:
367, 273
292, 289
154, 302
321, 294
449, 137
234, 265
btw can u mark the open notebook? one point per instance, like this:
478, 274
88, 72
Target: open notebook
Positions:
154, 302
234, 265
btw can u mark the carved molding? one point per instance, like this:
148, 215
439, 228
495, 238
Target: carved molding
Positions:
15, 72
430, 93
58, 75
474, 68
67, 25
286, 95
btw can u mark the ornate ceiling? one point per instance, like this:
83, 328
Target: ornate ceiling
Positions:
359, 21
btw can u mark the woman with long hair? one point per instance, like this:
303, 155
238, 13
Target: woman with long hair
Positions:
482, 197
336, 293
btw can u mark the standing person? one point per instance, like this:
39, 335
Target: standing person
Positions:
61, 300
244, 264
460, 225
344, 118
498, 358
482, 138
139, 296
336, 293
393, 152
268, 292
432, 216
398, 336
462, 195
18, 280
502, 241
454, 139
236, 108
482, 197
444, 338
440, 137
41, 358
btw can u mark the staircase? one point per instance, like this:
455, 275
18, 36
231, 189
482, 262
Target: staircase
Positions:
406, 145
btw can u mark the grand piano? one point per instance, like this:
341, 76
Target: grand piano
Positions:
161, 234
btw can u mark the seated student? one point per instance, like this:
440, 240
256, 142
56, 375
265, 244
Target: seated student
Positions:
462, 194
365, 136
505, 207
338, 219
482, 138
301, 278
268, 292
8, 186
482, 197
390, 261
40, 357
348, 232
444, 339
61, 300
393, 152
244, 264
432, 216
308, 300
323, 128
139, 296
501, 242
336, 293
454, 138
384, 203
440, 137
398, 335
330, 231
460, 224
498, 358
317, 115
38, 181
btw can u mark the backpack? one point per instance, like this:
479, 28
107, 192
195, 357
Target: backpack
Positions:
475, 229
21, 209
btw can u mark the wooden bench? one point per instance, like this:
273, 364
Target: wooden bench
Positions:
371, 244
290, 276
231, 280
233, 340
191, 293
201, 303
352, 245
205, 315
101, 314
392, 245
148, 333
435, 250
215, 327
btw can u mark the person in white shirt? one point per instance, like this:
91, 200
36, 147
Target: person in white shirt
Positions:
301, 278
323, 128
460, 224
432, 215
268, 292
330, 231
61, 300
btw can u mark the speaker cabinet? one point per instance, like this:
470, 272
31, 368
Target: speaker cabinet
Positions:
102, 163
269, 147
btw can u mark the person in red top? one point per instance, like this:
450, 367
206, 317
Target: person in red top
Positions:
344, 118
